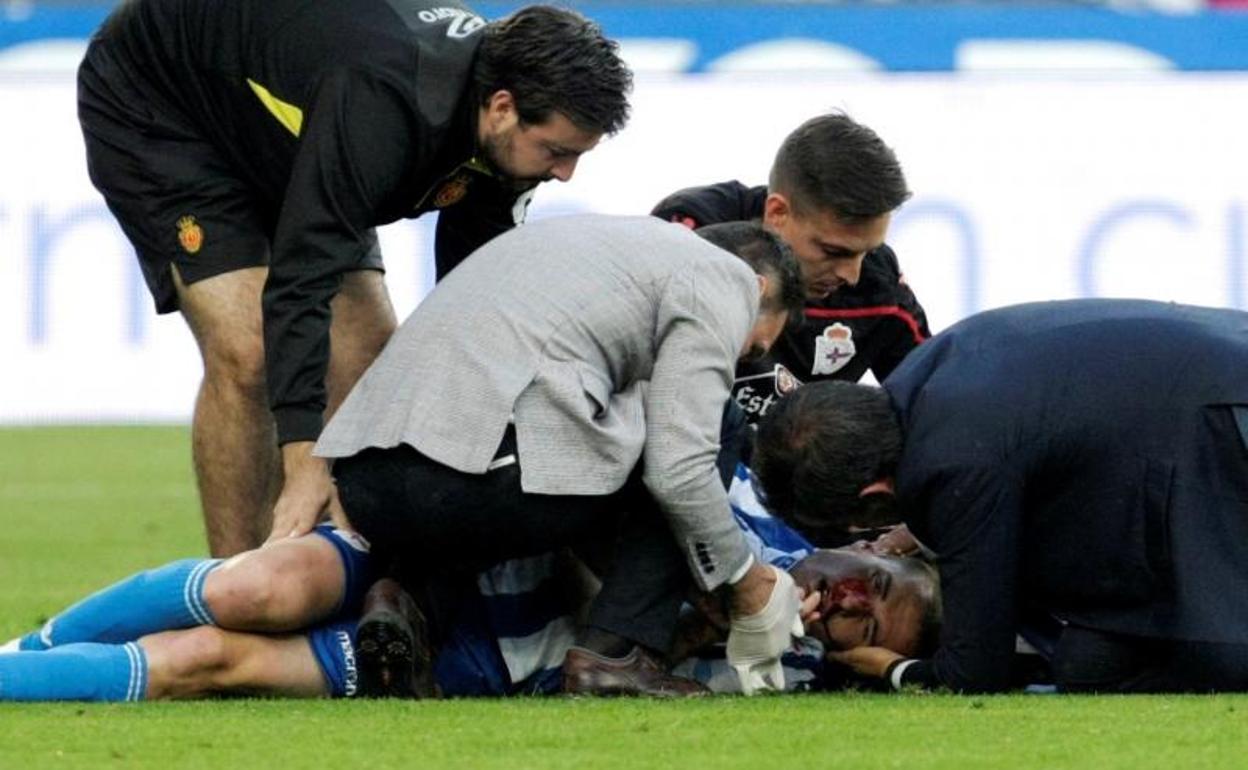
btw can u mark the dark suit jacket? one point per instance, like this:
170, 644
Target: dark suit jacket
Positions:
1087, 459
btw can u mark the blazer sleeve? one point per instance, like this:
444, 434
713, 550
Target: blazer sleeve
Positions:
973, 522
702, 324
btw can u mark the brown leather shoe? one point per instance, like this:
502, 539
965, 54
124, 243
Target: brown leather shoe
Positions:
637, 673
392, 645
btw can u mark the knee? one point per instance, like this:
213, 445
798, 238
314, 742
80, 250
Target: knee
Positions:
242, 597
236, 361
1088, 661
273, 590
194, 659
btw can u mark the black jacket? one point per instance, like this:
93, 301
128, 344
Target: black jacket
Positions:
869, 326
1085, 461
340, 116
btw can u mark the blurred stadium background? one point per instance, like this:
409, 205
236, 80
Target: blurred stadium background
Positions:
1055, 150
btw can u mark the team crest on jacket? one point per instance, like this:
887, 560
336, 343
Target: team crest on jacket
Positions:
833, 349
452, 191
190, 234
786, 383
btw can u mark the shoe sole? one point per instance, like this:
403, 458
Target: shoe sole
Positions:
385, 655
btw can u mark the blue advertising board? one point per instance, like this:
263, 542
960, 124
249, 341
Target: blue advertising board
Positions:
906, 38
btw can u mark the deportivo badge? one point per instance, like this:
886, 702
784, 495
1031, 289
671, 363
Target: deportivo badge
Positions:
190, 234
833, 349
452, 191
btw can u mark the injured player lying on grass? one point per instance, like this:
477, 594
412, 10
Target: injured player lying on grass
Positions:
281, 621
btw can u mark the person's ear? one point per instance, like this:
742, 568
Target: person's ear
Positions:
500, 111
776, 211
764, 285
882, 486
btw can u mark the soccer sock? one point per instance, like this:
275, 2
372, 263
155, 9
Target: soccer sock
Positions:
161, 599
93, 672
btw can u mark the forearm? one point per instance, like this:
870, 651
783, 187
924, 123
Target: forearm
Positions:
296, 342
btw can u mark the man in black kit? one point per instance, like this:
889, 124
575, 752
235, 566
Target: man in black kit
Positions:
249, 148
832, 191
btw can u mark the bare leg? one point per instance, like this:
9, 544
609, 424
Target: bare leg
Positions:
205, 661
234, 442
285, 586
363, 322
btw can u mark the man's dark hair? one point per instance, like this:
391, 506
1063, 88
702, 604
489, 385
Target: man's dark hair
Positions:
816, 450
832, 163
768, 255
933, 605
555, 60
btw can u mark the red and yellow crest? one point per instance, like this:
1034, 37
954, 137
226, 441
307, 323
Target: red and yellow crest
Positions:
190, 234
452, 191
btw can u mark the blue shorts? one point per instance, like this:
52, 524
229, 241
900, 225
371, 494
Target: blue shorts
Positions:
469, 662
333, 642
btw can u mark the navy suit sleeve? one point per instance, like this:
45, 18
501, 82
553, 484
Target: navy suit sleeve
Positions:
973, 521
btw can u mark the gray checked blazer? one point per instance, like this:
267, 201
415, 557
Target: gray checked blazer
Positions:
612, 340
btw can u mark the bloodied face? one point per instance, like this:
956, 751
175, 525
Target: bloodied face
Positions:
869, 600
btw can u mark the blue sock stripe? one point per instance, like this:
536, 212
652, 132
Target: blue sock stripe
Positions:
141, 692
133, 668
138, 672
193, 593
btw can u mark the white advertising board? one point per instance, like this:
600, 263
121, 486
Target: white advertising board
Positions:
1026, 188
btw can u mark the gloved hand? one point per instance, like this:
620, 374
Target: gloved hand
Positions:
756, 642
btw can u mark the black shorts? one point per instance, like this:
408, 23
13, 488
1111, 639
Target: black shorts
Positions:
177, 197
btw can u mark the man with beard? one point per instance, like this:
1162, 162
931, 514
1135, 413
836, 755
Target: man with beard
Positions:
1080, 470
250, 147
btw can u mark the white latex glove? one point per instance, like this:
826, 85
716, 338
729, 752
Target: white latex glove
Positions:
756, 642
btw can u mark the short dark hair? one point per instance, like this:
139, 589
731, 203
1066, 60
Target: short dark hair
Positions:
768, 255
818, 447
832, 163
555, 60
933, 607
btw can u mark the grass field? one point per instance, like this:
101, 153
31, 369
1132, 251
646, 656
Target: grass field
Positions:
82, 506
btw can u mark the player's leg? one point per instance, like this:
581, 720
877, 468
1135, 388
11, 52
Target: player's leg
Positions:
233, 439
363, 322
95, 672
173, 664
290, 584
182, 204
283, 586
208, 661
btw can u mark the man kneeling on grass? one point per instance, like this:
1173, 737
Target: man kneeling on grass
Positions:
280, 620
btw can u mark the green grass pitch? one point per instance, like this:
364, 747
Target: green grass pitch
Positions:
81, 506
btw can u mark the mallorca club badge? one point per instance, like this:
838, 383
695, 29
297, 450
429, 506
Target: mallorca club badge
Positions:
190, 234
833, 349
452, 191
